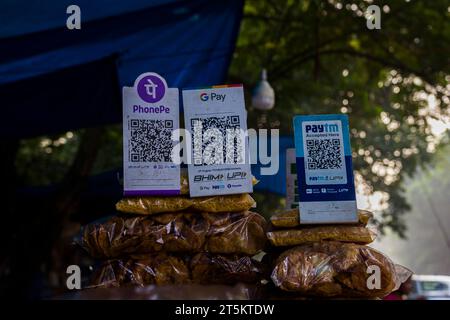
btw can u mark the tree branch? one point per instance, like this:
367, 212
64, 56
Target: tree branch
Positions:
354, 53
381, 60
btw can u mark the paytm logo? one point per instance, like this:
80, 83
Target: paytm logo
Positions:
212, 96
327, 127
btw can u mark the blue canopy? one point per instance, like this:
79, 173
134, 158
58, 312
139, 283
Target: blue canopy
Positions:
54, 79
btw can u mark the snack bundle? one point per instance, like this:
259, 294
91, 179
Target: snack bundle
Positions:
331, 260
178, 240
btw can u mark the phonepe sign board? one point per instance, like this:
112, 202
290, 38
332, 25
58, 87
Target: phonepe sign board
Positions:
217, 121
324, 169
150, 114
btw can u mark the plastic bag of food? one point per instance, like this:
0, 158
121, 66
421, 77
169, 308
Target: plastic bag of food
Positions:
243, 232
219, 269
235, 232
159, 269
184, 182
336, 269
291, 218
343, 233
213, 204
165, 269
124, 235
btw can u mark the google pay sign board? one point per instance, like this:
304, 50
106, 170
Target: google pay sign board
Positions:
217, 121
324, 169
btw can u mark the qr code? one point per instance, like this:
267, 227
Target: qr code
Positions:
220, 126
150, 140
323, 154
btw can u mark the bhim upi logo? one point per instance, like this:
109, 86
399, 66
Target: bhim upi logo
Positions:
204, 96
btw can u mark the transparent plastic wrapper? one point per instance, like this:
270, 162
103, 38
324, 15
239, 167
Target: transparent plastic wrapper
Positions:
184, 182
336, 269
222, 233
219, 269
166, 269
342, 233
213, 204
236, 233
159, 269
291, 218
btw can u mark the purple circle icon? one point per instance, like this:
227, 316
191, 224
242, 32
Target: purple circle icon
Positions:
151, 88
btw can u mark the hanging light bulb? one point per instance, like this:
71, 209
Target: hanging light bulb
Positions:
263, 97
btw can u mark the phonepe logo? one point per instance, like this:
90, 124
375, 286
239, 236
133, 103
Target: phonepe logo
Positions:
151, 88
137, 108
320, 128
212, 96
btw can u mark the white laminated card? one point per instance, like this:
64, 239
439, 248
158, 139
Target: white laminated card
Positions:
217, 122
150, 115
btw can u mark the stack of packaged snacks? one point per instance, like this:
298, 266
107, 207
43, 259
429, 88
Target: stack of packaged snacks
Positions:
289, 231
331, 260
176, 240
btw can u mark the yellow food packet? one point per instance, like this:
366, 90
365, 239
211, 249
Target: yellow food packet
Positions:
153, 205
291, 218
342, 233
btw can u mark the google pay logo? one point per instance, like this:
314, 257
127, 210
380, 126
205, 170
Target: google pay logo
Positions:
213, 96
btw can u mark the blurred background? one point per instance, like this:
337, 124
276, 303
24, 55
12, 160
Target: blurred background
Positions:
61, 135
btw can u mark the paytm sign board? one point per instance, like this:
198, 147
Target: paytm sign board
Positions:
324, 169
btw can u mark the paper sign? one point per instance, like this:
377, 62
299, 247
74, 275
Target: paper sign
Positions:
217, 121
150, 114
324, 169
291, 180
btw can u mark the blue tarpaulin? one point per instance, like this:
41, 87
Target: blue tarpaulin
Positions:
54, 79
